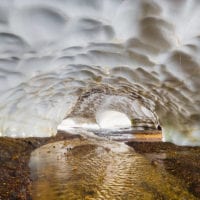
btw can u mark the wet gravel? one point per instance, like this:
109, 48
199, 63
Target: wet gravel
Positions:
15, 181
181, 161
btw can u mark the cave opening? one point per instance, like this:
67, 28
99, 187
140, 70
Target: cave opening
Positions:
113, 114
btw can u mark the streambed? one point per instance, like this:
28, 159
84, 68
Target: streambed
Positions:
157, 170
100, 169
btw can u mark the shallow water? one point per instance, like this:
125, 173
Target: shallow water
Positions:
99, 169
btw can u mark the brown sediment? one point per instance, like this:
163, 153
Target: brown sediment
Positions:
182, 162
15, 181
147, 135
150, 138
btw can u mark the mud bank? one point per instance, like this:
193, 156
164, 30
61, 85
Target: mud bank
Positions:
15, 179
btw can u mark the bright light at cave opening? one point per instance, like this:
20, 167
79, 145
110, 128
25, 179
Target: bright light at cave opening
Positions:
105, 120
71, 123
113, 120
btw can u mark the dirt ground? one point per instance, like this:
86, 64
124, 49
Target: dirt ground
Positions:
15, 181
181, 161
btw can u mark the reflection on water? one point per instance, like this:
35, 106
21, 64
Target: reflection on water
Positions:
130, 134
94, 169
